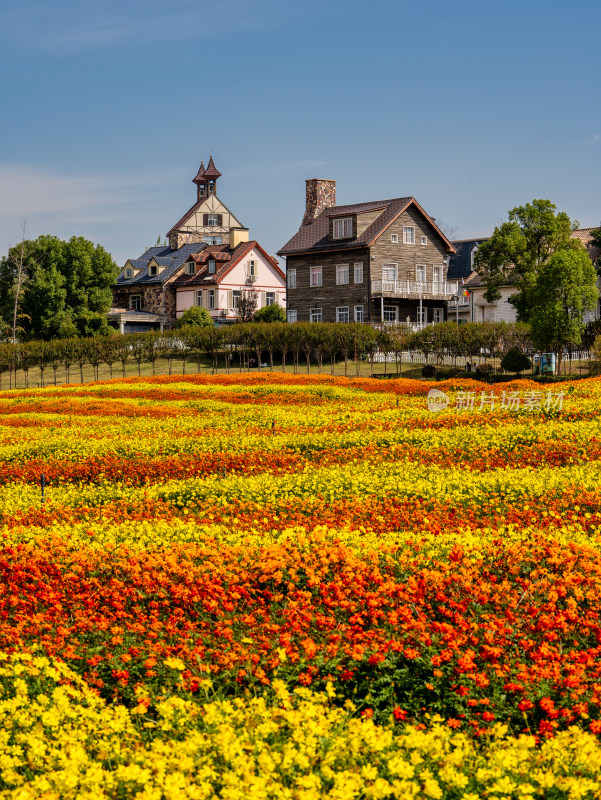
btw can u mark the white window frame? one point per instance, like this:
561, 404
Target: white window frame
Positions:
342, 228
437, 271
343, 314
408, 234
212, 266
252, 268
291, 273
236, 297
135, 302
389, 267
292, 315
316, 315
394, 238
420, 269
358, 272
212, 220
191, 267
438, 314
390, 311
358, 315
316, 276
269, 298
423, 240
199, 298
211, 299
342, 274
423, 318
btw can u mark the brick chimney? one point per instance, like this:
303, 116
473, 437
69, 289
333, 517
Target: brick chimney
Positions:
321, 194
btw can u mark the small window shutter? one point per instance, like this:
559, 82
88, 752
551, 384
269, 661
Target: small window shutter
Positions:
205, 302
205, 219
263, 300
230, 302
220, 220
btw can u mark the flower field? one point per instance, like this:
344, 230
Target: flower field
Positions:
285, 586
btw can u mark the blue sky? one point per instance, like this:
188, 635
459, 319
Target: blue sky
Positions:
471, 106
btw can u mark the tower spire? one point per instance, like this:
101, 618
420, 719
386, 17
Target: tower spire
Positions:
200, 181
210, 175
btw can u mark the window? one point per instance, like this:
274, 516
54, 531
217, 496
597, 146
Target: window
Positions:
291, 278
213, 239
341, 274
211, 266
343, 228
423, 317
390, 313
408, 234
420, 274
359, 272
423, 240
135, 302
191, 267
252, 269
153, 270
358, 313
211, 294
129, 273
236, 295
437, 277
199, 298
212, 219
270, 298
316, 276
438, 315
389, 272
394, 238
342, 314
315, 315
291, 315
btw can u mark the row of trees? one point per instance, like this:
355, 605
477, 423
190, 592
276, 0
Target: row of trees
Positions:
257, 345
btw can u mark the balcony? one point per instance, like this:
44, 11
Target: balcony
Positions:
428, 290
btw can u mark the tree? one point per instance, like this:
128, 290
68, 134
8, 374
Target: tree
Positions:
520, 248
67, 290
565, 288
596, 240
247, 305
515, 361
272, 313
195, 315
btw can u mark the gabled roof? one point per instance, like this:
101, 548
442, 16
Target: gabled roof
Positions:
225, 259
460, 264
314, 237
171, 260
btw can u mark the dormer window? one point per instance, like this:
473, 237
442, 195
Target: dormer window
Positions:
211, 266
343, 228
153, 270
129, 273
191, 267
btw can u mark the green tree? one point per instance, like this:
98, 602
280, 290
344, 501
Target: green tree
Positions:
515, 361
565, 288
520, 248
272, 313
67, 291
195, 315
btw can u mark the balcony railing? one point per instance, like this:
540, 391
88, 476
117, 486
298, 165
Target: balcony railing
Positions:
414, 288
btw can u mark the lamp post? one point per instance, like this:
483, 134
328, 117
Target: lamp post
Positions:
455, 297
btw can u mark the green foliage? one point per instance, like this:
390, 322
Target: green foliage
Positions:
68, 287
272, 313
565, 288
515, 361
520, 248
194, 316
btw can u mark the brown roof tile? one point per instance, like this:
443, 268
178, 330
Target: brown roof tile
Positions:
314, 237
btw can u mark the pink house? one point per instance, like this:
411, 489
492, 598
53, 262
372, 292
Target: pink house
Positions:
217, 277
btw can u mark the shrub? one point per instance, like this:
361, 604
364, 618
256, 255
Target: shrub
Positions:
428, 371
272, 313
195, 316
515, 361
484, 369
